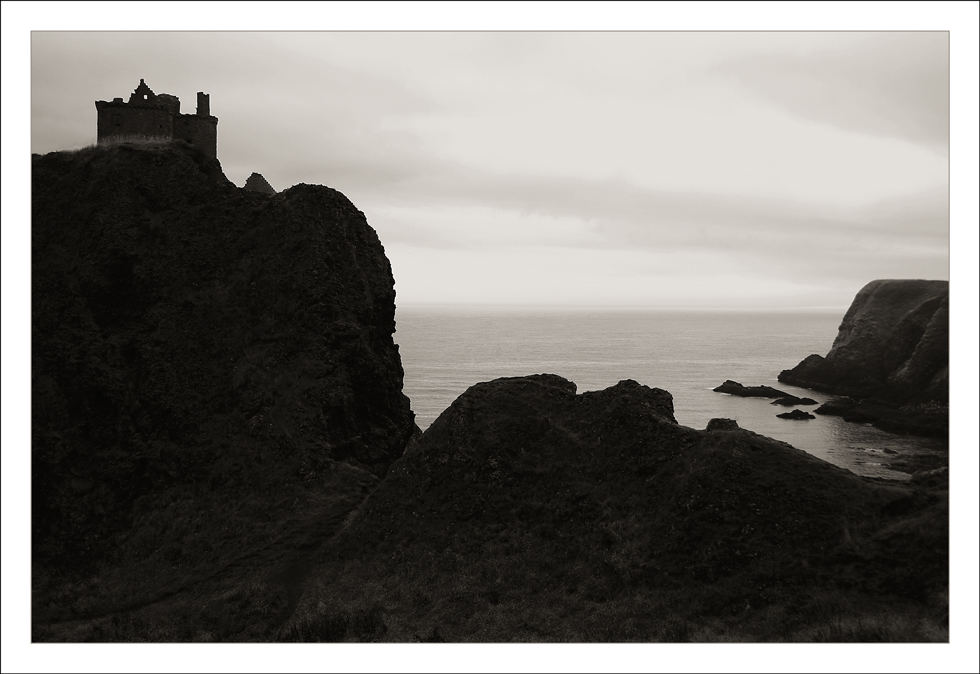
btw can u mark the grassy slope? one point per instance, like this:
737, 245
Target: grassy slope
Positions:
214, 388
529, 513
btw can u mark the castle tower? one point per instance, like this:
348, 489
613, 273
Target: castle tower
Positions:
156, 118
203, 104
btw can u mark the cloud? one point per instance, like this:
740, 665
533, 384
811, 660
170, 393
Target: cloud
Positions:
595, 162
628, 243
888, 84
617, 213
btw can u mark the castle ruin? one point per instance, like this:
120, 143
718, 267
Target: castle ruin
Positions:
149, 117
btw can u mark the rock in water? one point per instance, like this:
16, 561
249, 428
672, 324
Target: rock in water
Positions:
796, 414
214, 383
257, 183
734, 388
930, 419
789, 401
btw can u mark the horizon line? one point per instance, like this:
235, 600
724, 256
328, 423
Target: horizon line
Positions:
491, 306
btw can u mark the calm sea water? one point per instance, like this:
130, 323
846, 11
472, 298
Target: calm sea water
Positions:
444, 351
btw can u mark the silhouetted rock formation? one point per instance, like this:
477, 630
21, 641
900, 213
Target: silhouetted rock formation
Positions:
892, 344
893, 348
214, 383
930, 419
799, 415
257, 183
721, 425
734, 388
527, 512
790, 400
848, 408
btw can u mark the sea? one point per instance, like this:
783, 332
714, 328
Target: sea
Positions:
445, 350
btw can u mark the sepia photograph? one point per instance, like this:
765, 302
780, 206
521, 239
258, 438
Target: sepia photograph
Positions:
436, 336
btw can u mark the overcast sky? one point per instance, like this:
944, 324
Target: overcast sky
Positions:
651, 169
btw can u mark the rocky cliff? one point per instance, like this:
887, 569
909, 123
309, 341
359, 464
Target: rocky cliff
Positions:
214, 381
222, 451
890, 361
257, 183
893, 344
527, 512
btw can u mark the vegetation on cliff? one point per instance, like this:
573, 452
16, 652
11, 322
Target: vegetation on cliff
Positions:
213, 375
529, 513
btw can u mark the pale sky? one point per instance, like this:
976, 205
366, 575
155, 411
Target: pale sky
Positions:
650, 169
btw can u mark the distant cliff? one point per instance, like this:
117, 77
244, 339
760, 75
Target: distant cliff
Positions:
213, 375
893, 343
892, 348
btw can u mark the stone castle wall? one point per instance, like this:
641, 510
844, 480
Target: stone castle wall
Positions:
149, 117
199, 131
121, 121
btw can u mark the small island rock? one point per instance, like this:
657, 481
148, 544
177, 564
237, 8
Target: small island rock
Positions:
790, 400
736, 389
796, 414
722, 425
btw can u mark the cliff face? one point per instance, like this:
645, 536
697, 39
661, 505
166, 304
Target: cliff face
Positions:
529, 513
257, 183
893, 344
213, 372
221, 451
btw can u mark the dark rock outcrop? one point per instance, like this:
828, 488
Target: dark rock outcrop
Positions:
935, 478
718, 424
734, 388
790, 400
214, 381
928, 419
257, 183
798, 415
891, 356
893, 344
529, 513
848, 408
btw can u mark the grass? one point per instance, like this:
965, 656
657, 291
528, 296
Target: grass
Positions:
591, 524
607, 524
878, 628
328, 624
